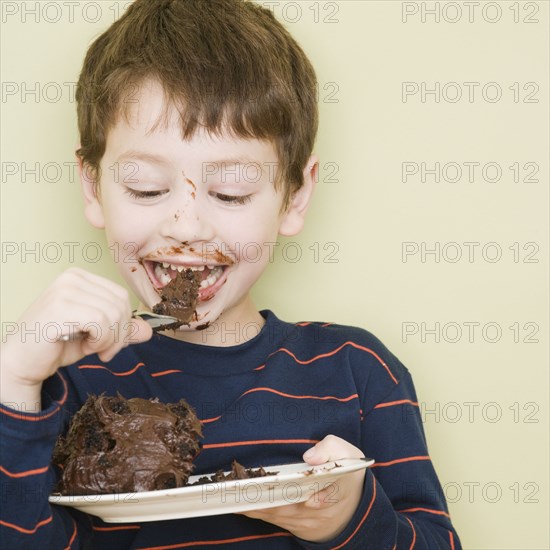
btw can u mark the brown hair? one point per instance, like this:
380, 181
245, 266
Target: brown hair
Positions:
225, 64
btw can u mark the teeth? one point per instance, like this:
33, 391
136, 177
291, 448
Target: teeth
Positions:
214, 275
181, 268
162, 272
162, 275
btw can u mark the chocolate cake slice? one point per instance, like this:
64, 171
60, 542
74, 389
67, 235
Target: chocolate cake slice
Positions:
115, 445
179, 297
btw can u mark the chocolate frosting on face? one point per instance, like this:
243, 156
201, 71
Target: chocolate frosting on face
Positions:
116, 445
179, 297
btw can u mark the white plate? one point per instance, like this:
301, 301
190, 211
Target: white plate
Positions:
293, 483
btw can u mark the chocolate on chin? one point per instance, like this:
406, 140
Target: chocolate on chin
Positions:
179, 297
118, 445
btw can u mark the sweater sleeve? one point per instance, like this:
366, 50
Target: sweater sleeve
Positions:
402, 505
27, 520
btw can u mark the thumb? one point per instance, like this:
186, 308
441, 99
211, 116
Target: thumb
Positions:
138, 331
314, 456
331, 448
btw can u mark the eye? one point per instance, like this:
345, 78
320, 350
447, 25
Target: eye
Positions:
231, 199
144, 194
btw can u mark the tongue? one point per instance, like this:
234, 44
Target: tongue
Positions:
179, 297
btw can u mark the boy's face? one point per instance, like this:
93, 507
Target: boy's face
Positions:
208, 201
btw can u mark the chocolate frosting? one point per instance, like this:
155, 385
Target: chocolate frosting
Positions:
116, 445
179, 297
238, 471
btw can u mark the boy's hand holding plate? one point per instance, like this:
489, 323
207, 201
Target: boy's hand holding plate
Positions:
327, 512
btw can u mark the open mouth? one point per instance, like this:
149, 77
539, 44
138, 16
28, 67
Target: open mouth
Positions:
211, 276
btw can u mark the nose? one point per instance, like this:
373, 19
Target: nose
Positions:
184, 219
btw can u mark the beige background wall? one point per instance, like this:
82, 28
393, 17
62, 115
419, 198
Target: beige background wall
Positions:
452, 274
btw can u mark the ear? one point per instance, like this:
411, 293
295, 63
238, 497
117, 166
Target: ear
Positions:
294, 217
93, 210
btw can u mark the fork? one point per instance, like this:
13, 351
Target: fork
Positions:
155, 321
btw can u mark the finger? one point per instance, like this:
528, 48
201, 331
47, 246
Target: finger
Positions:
133, 331
254, 514
80, 306
316, 500
321, 499
138, 331
111, 295
269, 514
331, 448
95, 281
89, 289
120, 334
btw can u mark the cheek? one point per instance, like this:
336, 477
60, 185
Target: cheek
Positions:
120, 218
121, 231
256, 226
256, 254
256, 249
125, 236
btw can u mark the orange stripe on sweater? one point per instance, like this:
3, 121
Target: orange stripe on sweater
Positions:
27, 531
451, 540
393, 403
322, 398
73, 537
207, 420
258, 442
399, 460
65, 389
414, 533
165, 372
216, 542
271, 390
40, 417
127, 373
436, 512
363, 518
26, 473
335, 351
19, 416
291, 396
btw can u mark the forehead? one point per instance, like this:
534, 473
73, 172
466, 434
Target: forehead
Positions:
148, 126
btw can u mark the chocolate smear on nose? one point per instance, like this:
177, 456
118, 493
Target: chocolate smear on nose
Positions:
179, 297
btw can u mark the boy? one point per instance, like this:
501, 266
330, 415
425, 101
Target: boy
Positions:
177, 101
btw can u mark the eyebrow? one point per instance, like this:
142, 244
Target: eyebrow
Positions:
143, 156
160, 160
230, 161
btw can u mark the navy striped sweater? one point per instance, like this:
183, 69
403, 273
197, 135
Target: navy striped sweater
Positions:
263, 402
